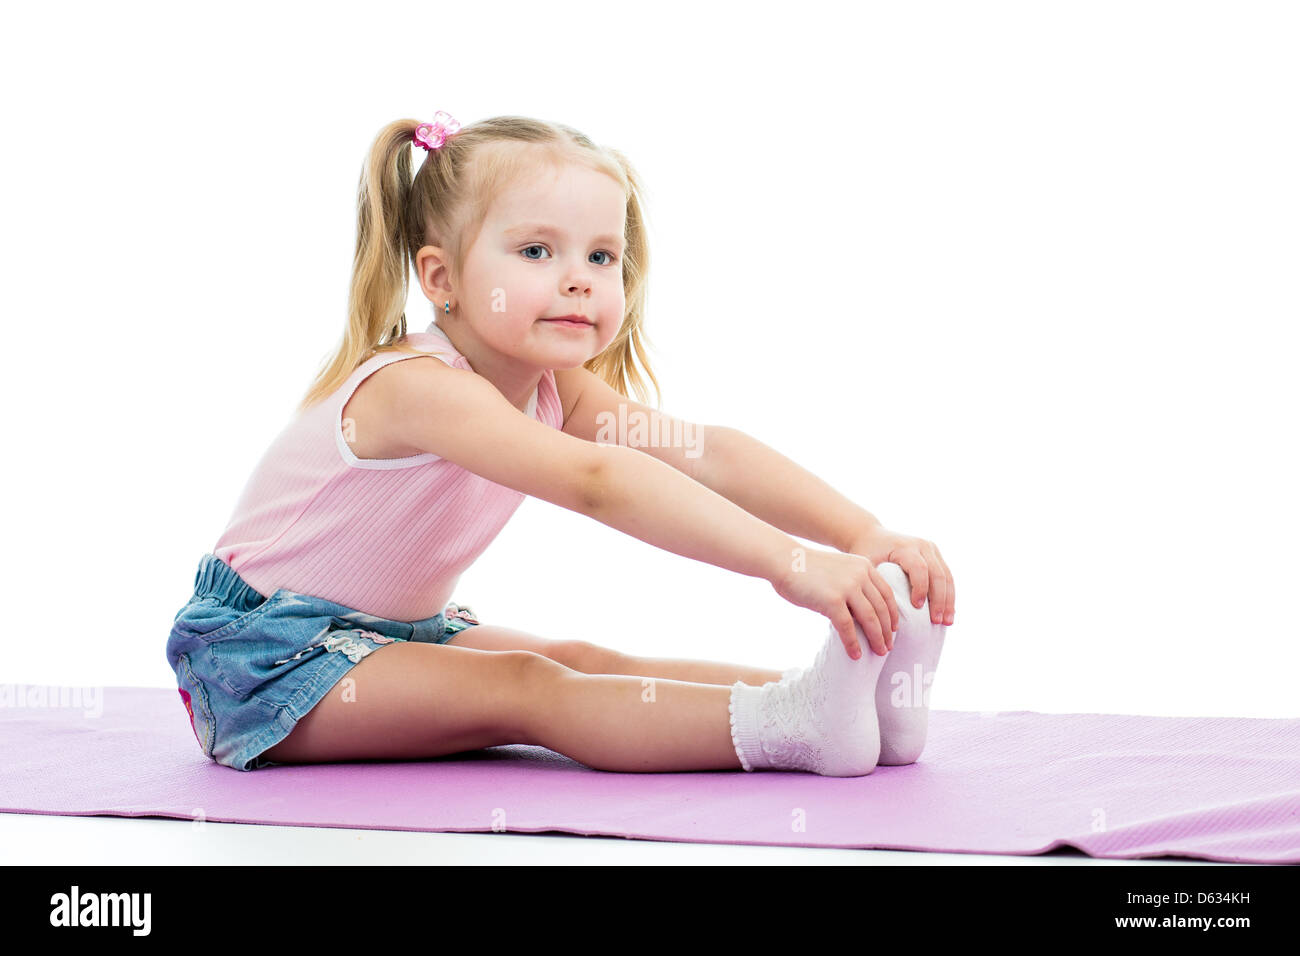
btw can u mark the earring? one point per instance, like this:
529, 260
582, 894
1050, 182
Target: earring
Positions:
446, 307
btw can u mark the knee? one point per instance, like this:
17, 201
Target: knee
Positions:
582, 656
528, 666
527, 679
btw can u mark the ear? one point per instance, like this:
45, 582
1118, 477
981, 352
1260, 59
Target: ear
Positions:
433, 273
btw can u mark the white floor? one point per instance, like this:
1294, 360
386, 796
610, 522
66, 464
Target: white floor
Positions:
38, 839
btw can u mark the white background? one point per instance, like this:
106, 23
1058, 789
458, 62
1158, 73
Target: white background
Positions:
1020, 278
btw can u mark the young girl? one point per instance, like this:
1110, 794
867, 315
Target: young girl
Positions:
320, 628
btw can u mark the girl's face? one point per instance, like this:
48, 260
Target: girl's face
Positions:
549, 247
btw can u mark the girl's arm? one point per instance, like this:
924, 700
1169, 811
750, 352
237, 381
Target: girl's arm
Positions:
643, 497
759, 480
744, 471
459, 416
772, 487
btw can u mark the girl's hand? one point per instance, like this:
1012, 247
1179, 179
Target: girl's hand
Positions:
845, 588
927, 572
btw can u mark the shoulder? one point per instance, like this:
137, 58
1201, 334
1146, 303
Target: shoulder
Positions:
392, 387
406, 375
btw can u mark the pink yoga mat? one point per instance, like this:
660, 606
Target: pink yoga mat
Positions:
1018, 782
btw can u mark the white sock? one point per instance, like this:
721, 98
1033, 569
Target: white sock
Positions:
787, 676
903, 692
823, 721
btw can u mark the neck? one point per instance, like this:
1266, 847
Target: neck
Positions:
513, 379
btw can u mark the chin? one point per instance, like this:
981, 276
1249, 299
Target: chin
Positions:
572, 363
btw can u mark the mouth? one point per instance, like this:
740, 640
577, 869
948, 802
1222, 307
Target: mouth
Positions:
571, 321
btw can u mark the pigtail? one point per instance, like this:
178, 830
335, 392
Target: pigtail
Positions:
380, 273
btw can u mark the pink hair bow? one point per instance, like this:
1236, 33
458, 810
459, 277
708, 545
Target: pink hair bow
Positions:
433, 135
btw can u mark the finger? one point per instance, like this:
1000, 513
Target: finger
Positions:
918, 574
843, 624
938, 584
865, 614
878, 604
952, 589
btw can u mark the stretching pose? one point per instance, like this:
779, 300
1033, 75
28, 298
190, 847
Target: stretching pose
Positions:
321, 627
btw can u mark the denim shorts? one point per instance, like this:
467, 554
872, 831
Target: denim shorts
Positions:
249, 667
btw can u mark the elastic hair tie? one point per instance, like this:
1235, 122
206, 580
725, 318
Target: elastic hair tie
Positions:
432, 135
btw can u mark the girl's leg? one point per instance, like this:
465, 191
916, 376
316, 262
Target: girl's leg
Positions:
591, 658
700, 672
646, 724
417, 700
631, 723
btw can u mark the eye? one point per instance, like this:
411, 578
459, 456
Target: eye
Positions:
612, 258
533, 246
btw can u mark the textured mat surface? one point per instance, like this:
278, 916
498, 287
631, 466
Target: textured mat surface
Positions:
1016, 782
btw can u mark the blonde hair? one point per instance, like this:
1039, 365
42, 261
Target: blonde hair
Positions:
445, 205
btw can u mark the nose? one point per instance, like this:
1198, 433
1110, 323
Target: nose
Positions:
578, 286
578, 281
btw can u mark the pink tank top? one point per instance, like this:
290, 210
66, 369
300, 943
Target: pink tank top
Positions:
388, 537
